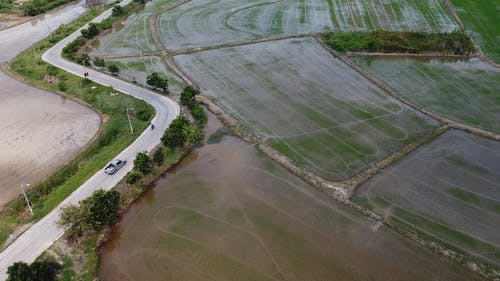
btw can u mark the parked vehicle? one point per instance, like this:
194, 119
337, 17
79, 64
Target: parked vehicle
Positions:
114, 166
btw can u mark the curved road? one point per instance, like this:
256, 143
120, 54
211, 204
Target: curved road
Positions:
43, 234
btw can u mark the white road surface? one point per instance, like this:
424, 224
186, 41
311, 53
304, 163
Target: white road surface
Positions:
43, 234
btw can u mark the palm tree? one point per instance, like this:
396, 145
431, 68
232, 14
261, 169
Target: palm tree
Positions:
190, 133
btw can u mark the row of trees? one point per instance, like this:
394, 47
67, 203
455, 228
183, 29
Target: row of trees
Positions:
44, 270
455, 43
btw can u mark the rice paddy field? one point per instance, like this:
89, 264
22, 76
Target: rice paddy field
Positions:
133, 35
448, 190
467, 91
201, 23
311, 107
481, 19
229, 213
138, 68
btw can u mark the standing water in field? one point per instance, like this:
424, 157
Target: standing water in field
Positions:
227, 212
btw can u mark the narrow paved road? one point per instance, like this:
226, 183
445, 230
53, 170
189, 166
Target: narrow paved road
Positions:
44, 233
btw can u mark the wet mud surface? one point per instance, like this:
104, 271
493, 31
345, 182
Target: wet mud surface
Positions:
39, 131
229, 213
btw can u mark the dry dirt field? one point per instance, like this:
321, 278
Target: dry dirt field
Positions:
39, 131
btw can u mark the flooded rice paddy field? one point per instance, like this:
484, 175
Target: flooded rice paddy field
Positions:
39, 131
464, 90
133, 36
201, 23
138, 69
480, 17
210, 22
307, 104
448, 189
229, 213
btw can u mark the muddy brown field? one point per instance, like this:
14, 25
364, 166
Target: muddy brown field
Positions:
39, 132
229, 213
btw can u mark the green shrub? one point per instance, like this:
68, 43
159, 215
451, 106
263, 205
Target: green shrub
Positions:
91, 31
39, 270
132, 177
416, 42
142, 163
199, 115
173, 136
188, 96
159, 157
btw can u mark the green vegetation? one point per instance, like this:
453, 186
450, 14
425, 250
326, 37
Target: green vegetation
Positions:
188, 99
113, 69
114, 136
143, 163
6, 6
179, 133
45, 270
188, 96
157, 82
415, 42
480, 17
36, 7
92, 215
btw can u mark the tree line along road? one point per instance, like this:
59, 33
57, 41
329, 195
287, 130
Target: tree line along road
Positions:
44, 233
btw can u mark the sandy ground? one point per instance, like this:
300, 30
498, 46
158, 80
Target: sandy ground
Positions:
39, 131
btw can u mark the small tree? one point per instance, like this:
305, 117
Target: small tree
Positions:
90, 31
94, 213
37, 271
113, 68
188, 96
117, 11
132, 177
142, 163
73, 220
173, 136
159, 157
99, 62
102, 208
157, 82
83, 59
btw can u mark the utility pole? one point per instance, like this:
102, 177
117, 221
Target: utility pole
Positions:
129, 122
26, 198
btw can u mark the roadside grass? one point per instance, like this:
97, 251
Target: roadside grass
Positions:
480, 17
114, 134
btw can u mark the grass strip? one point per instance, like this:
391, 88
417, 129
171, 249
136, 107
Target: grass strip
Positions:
413, 42
113, 138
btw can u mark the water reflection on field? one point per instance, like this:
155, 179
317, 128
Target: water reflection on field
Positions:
229, 213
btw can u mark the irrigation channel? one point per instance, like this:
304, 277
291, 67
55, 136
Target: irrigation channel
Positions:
227, 212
